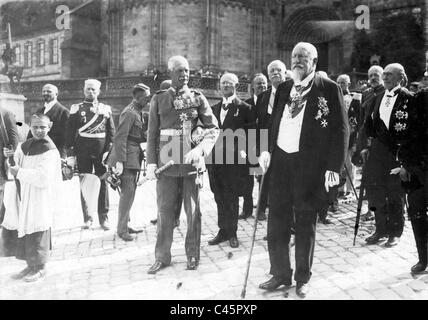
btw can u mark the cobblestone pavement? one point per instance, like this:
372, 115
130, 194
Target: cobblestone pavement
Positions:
94, 264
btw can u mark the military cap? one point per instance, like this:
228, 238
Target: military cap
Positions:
140, 86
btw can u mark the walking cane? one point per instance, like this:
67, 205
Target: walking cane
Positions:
359, 199
244, 289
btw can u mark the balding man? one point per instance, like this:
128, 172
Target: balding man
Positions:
308, 139
89, 137
387, 126
173, 114
259, 85
58, 115
264, 107
227, 177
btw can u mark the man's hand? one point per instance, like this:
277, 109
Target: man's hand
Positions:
264, 161
151, 175
71, 161
193, 156
118, 169
404, 174
243, 154
331, 179
8, 152
364, 155
14, 170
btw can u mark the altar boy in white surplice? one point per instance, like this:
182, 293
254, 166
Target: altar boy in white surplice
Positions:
38, 170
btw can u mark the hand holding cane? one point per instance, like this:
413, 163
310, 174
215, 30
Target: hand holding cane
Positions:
157, 172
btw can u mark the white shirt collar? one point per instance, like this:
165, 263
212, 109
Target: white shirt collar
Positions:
273, 90
49, 105
229, 100
392, 92
305, 82
255, 98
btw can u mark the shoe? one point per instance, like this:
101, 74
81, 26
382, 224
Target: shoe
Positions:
244, 215
154, 221
265, 238
375, 238
35, 276
126, 236
392, 242
302, 289
418, 268
233, 241
87, 225
325, 221
262, 216
274, 283
158, 265
192, 263
105, 226
130, 231
219, 238
22, 273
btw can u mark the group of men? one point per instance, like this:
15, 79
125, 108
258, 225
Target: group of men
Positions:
314, 127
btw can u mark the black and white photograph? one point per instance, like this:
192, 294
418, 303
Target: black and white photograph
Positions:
215, 154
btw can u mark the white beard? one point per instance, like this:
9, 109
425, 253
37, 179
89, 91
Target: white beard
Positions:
297, 74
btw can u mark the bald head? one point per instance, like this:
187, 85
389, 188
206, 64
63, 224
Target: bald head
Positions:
375, 76
228, 84
259, 83
92, 89
394, 75
49, 92
304, 58
276, 72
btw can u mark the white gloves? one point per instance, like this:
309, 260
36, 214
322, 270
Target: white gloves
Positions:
71, 161
193, 156
151, 175
264, 161
118, 169
331, 179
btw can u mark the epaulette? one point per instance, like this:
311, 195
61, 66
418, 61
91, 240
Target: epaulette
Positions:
74, 108
104, 109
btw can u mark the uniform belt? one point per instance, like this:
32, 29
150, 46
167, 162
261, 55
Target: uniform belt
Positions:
92, 135
171, 132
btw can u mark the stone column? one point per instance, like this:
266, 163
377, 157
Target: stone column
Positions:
212, 34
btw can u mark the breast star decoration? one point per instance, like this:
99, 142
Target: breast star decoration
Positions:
323, 112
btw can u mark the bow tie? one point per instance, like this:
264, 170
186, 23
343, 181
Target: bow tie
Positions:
392, 94
225, 106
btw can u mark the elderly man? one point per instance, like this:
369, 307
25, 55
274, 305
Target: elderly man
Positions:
264, 107
308, 139
259, 85
227, 178
126, 154
58, 114
173, 115
387, 125
89, 136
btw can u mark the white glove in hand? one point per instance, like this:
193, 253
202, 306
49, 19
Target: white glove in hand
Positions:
264, 161
151, 168
331, 179
71, 161
193, 156
118, 169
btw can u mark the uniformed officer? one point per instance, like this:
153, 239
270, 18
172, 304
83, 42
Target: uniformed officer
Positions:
89, 136
126, 154
173, 114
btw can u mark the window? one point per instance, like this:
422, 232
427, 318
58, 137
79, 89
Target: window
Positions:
54, 51
17, 57
28, 55
41, 53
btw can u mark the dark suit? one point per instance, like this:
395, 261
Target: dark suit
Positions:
297, 179
263, 123
227, 179
59, 115
415, 161
384, 190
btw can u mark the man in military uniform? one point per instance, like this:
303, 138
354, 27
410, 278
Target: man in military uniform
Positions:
126, 155
173, 114
89, 137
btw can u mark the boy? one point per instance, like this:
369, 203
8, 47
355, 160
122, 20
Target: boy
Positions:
38, 171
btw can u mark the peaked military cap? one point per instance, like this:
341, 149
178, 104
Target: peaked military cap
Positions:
140, 86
